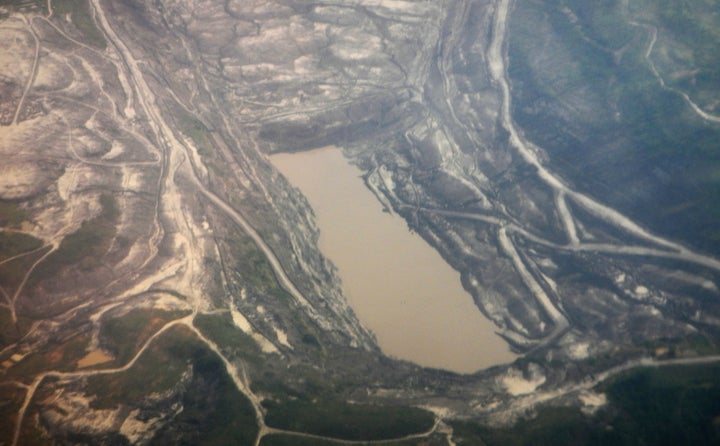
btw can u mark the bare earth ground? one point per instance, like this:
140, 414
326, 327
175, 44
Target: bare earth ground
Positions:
137, 204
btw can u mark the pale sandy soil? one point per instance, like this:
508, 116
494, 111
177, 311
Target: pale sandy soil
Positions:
93, 358
516, 384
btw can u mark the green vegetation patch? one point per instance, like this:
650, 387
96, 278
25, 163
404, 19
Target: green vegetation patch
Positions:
86, 246
9, 331
12, 273
298, 383
653, 406
669, 405
295, 440
32, 433
253, 267
551, 427
214, 411
695, 24
195, 130
82, 18
13, 244
38, 6
123, 336
11, 214
338, 419
91, 241
220, 329
11, 397
60, 356
603, 23
159, 369
696, 344
583, 90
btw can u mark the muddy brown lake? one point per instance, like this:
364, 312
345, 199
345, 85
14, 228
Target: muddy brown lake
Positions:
397, 284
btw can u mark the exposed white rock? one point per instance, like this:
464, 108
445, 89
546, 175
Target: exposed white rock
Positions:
243, 324
579, 350
592, 401
515, 382
439, 411
138, 431
116, 150
282, 338
21, 180
72, 411
17, 44
53, 74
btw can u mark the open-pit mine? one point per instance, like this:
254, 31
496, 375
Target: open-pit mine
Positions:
178, 179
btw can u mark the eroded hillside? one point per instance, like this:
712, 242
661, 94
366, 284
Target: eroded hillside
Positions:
161, 282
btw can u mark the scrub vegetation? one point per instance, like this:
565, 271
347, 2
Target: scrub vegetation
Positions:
339, 419
584, 91
656, 406
11, 214
230, 339
85, 247
81, 16
158, 370
124, 335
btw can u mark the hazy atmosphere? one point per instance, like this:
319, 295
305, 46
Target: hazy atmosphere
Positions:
286, 222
